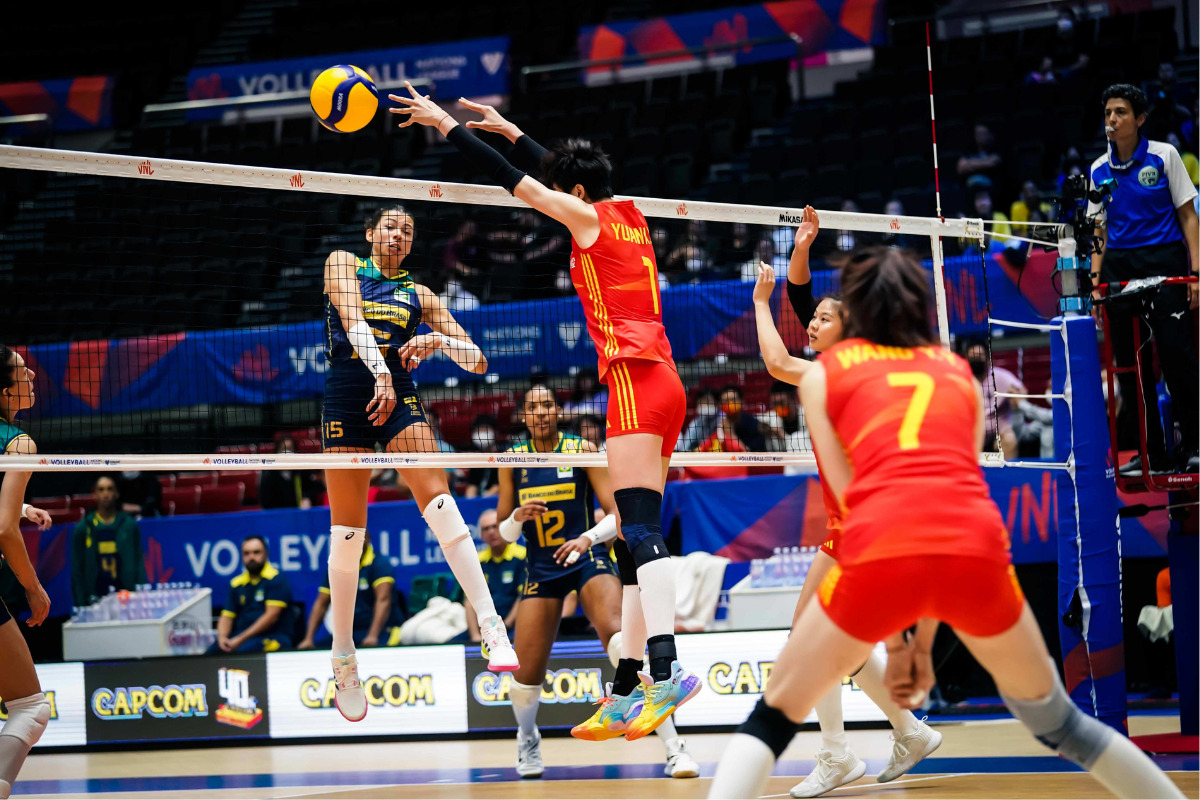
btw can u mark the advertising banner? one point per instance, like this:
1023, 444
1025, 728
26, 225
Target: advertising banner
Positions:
734, 669
186, 699
409, 690
472, 68
73, 104
575, 679
63, 686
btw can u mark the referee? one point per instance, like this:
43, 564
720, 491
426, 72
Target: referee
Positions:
1151, 231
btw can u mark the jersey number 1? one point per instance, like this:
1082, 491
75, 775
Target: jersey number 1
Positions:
922, 386
653, 280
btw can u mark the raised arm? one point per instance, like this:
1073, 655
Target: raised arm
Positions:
780, 363
448, 336
526, 154
799, 278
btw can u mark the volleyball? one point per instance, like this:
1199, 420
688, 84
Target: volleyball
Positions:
344, 98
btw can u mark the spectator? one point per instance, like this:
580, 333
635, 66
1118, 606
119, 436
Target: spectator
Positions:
464, 262
985, 167
505, 569
704, 424
785, 421
1168, 103
591, 427
483, 481
140, 493
106, 548
1071, 164
1030, 207
1043, 73
588, 397
375, 614
285, 488
690, 257
894, 208
661, 238
1066, 43
1151, 231
985, 210
743, 425
1190, 164
257, 616
735, 250
1001, 381
764, 253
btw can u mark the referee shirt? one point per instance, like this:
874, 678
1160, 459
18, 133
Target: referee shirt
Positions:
1149, 187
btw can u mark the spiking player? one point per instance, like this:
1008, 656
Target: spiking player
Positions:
908, 415
553, 507
912, 739
372, 312
613, 269
28, 708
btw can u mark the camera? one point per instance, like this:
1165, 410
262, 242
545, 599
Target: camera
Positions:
1077, 240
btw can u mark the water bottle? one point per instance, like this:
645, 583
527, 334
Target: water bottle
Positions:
795, 578
775, 576
756, 573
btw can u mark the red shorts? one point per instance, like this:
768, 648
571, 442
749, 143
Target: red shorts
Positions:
833, 535
646, 397
872, 600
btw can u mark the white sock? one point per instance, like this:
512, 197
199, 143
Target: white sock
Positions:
525, 701
666, 731
633, 624
870, 680
443, 517
657, 582
829, 715
1128, 772
345, 551
744, 768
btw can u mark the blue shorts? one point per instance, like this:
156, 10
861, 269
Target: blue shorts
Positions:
559, 586
344, 423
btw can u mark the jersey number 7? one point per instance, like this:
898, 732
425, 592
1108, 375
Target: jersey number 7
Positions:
922, 386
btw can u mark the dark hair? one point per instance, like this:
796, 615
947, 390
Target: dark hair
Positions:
266, 547
578, 161
707, 391
1128, 92
7, 356
781, 386
373, 218
540, 385
592, 418
485, 419
733, 387
887, 298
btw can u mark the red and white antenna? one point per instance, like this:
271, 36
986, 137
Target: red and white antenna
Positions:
937, 189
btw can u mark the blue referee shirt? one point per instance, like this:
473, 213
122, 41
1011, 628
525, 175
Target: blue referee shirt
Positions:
1150, 186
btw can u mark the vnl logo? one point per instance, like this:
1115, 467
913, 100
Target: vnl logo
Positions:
144, 168
435, 190
297, 181
240, 708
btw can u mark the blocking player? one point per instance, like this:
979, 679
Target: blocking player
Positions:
553, 507
614, 272
894, 416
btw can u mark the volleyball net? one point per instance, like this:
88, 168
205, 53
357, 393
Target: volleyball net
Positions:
173, 311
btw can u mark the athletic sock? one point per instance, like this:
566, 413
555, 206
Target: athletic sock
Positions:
1128, 772
446, 521
633, 623
870, 680
829, 716
343, 591
662, 653
745, 766
657, 581
666, 731
626, 679
525, 701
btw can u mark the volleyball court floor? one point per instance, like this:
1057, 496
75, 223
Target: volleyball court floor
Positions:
990, 758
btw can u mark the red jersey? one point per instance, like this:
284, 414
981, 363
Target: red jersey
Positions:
906, 418
617, 281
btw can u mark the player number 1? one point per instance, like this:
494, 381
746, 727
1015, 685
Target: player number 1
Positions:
914, 415
653, 280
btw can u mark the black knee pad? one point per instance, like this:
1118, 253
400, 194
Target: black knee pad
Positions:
625, 565
771, 726
651, 548
641, 523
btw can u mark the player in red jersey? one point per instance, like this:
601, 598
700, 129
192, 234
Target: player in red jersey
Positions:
614, 271
912, 740
908, 415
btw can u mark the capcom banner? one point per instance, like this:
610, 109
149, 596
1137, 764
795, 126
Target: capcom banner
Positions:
186, 699
410, 690
63, 686
575, 679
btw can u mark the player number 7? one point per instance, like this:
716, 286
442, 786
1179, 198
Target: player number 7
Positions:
914, 415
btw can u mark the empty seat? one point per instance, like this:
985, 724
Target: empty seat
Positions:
248, 478
181, 501
52, 503
387, 494
219, 499
83, 501
188, 480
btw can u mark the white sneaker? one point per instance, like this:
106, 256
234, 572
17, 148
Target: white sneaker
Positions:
348, 696
908, 750
680, 763
495, 646
830, 773
529, 756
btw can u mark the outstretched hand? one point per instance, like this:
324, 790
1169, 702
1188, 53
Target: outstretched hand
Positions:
421, 110
764, 287
493, 121
808, 229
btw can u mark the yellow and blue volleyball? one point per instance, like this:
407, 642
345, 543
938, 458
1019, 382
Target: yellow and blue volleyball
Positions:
344, 98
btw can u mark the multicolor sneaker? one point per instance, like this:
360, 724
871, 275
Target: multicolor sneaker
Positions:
662, 700
612, 718
348, 695
495, 645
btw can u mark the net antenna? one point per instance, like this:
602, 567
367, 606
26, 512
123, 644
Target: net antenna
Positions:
937, 189
436, 198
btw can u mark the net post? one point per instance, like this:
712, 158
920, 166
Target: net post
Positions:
1089, 532
939, 287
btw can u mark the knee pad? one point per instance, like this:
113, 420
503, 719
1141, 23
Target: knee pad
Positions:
641, 523
1061, 726
346, 547
614, 648
770, 726
27, 718
625, 565
446, 521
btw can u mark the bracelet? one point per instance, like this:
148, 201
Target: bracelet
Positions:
440, 121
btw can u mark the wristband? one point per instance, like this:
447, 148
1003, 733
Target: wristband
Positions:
510, 529
362, 339
25, 510
603, 531
466, 354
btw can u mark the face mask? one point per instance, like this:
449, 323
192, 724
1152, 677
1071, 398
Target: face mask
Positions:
978, 368
1065, 25
732, 408
783, 411
706, 409
127, 475
483, 439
